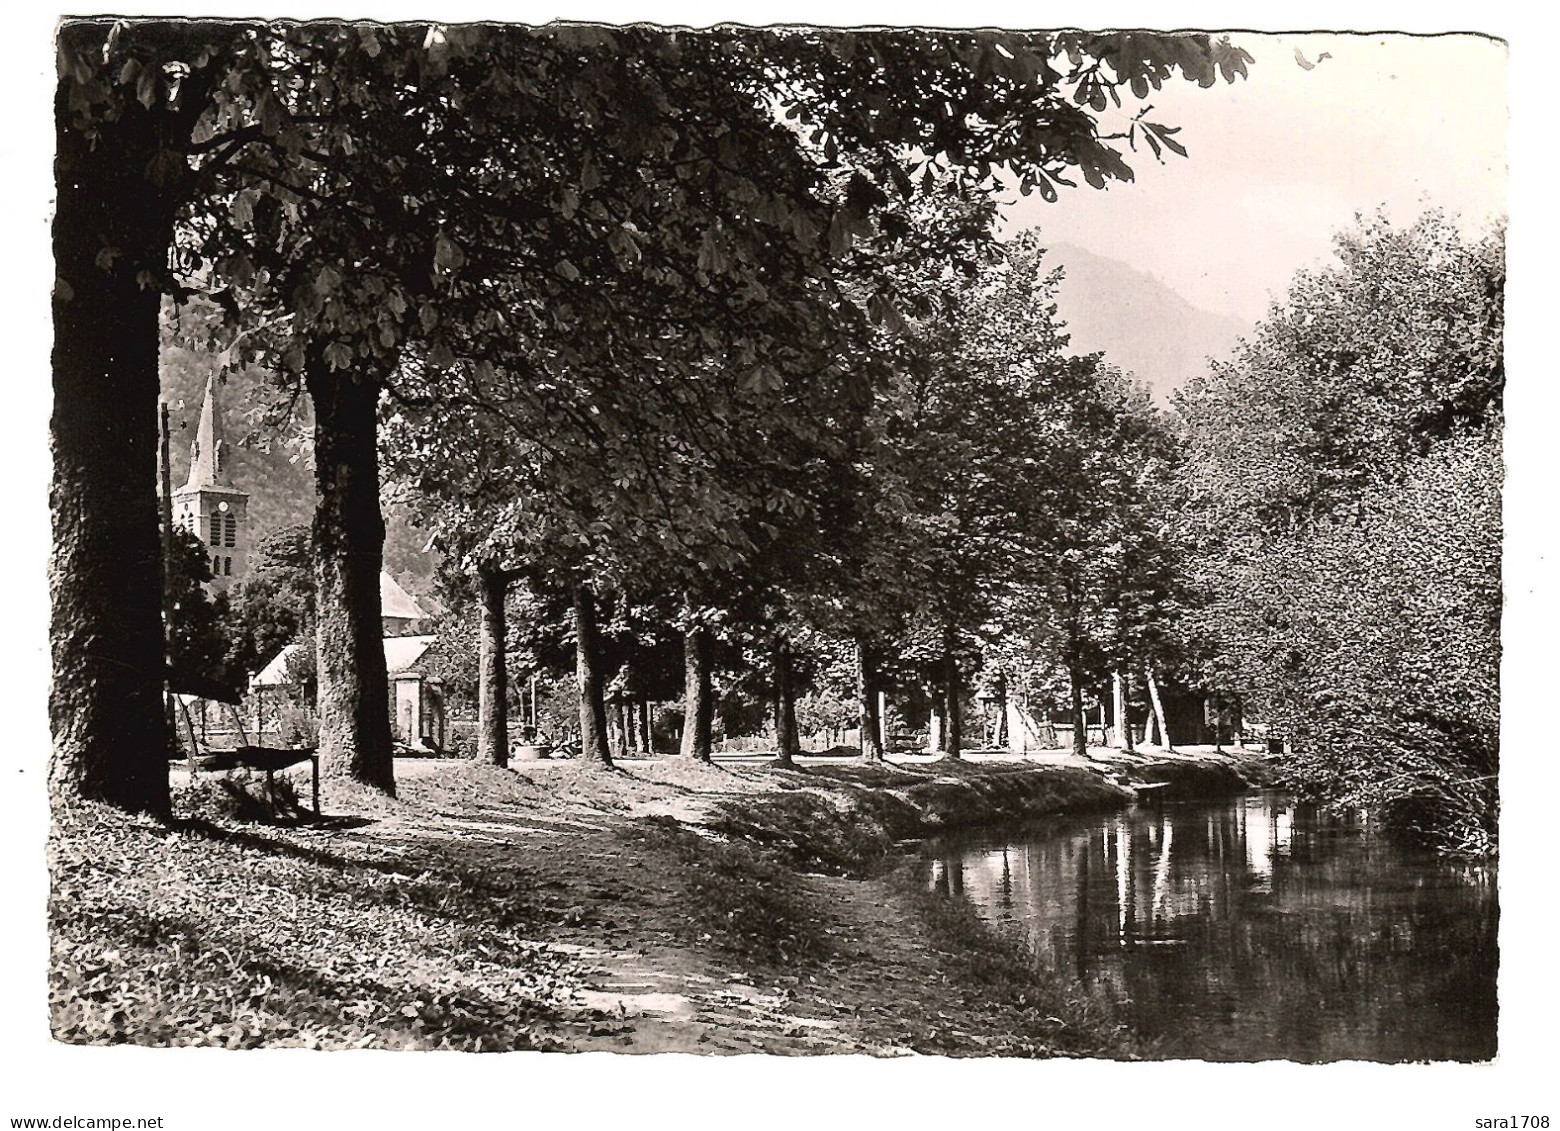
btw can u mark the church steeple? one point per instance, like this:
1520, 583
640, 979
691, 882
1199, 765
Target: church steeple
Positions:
208, 505
208, 452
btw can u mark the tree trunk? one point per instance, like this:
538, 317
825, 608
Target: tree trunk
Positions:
1118, 704
999, 737
866, 697
587, 674
953, 693
934, 723
492, 673
787, 741
1129, 743
165, 518
1151, 735
349, 536
110, 732
1159, 710
698, 698
619, 731
646, 747
1080, 723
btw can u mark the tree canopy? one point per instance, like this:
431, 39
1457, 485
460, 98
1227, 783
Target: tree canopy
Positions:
372, 203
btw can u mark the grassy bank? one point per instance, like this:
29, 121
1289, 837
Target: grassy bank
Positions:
1197, 781
666, 907
852, 820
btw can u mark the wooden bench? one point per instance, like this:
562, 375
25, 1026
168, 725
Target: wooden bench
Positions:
186, 686
266, 758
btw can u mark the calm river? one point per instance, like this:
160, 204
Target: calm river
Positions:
1250, 929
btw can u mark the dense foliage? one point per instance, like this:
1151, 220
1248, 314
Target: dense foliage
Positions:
273, 605
1346, 470
197, 632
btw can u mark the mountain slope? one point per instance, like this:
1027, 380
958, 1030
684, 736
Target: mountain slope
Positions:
1139, 323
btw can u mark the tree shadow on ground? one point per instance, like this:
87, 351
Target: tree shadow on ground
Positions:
428, 880
234, 991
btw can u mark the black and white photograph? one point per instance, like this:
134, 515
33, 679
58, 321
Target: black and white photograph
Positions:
817, 567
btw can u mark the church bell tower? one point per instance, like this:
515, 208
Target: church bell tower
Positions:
208, 505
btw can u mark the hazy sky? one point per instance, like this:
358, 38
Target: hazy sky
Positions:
1282, 159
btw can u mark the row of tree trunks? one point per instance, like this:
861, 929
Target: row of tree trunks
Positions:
492, 669
1122, 736
110, 733
349, 535
606, 730
604, 733
698, 694
631, 726
622, 735
626, 733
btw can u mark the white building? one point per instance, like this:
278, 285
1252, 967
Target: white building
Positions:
416, 697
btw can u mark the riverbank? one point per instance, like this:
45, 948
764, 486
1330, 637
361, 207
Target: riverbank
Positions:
669, 906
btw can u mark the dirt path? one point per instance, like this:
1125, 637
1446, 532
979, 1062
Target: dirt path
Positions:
659, 975
614, 899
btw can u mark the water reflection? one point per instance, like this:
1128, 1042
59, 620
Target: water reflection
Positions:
1253, 929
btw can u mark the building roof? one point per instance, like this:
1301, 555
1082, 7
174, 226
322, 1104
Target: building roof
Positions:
396, 603
274, 674
401, 654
